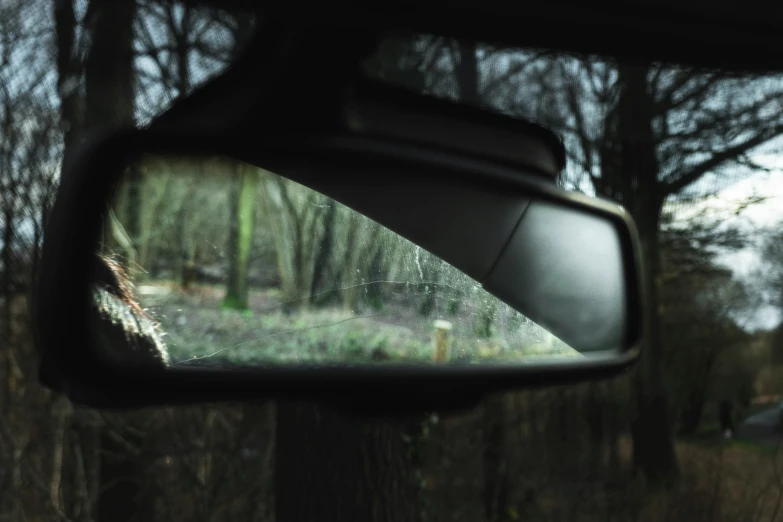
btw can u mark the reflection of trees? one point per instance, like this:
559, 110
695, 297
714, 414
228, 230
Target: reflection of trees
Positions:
240, 238
185, 216
321, 251
295, 216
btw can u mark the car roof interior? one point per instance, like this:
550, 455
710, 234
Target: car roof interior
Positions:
728, 35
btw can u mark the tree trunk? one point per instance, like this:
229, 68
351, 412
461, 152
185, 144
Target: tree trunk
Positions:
496, 480
257, 431
68, 73
323, 259
281, 221
149, 219
614, 423
595, 408
776, 344
132, 182
429, 291
122, 492
109, 65
242, 239
109, 105
350, 292
110, 94
372, 293
177, 31
652, 434
335, 468
467, 73
181, 247
690, 416
348, 469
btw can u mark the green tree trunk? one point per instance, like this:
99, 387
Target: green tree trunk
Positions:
241, 238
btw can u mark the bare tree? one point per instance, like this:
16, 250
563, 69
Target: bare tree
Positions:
28, 149
700, 300
643, 135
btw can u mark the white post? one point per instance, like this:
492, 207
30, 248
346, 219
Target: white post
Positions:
441, 343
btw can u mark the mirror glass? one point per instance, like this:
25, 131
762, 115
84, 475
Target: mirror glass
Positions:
212, 261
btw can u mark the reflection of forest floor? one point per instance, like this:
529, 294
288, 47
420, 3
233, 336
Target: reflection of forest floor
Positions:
199, 328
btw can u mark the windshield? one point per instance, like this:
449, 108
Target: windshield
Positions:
691, 434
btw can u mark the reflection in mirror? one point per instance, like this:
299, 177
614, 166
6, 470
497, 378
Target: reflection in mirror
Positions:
228, 264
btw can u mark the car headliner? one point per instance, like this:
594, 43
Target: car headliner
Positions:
739, 35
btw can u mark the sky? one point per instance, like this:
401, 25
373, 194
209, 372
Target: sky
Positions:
754, 220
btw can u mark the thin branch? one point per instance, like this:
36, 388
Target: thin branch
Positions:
718, 159
511, 73
572, 98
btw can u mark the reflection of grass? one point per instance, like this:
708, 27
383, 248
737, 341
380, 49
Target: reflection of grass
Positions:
316, 336
198, 326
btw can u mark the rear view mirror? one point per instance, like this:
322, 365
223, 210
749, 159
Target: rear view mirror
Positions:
205, 271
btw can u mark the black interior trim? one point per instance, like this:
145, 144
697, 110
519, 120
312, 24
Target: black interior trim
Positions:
742, 36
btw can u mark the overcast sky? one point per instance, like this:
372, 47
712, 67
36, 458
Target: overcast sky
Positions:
754, 220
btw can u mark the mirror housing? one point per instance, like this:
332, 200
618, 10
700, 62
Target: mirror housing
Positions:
467, 208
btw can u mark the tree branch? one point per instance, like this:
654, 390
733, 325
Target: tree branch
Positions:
513, 71
681, 79
572, 99
717, 159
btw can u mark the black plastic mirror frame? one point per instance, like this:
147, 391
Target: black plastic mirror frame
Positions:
71, 238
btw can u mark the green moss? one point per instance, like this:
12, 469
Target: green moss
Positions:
232, 302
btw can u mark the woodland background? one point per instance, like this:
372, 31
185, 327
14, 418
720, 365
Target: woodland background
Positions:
647, 446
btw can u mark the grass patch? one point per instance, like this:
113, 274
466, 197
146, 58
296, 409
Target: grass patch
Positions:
746, 445
201, 325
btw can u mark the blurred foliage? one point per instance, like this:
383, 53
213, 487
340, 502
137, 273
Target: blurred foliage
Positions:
703, 343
